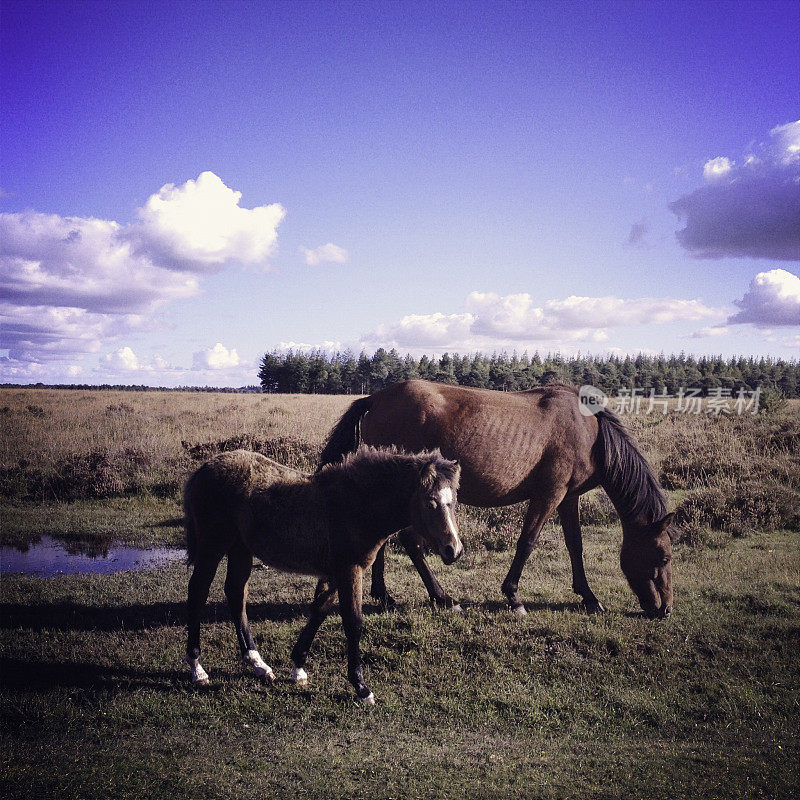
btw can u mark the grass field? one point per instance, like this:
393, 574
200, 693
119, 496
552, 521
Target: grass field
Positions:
96, 701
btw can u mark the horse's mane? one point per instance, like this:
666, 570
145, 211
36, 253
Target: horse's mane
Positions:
626, 475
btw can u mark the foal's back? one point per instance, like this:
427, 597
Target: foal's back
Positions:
243, 496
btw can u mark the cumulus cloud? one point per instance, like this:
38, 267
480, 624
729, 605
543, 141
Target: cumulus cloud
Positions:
71, 262
517, 317
491, 319
328, 346
70, 283
200, 226
772, 299
217, 357
710, 331
121, 360
325, 253
749, 210
424, 330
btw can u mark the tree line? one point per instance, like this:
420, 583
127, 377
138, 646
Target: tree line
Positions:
320, 372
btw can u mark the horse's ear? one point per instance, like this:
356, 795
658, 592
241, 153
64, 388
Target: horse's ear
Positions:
664, 524
428, 475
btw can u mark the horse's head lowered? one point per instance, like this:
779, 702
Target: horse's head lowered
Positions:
434, 503
646, 560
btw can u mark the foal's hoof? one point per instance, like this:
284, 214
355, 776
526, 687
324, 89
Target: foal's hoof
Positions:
262, 670
199, 675
299, 677
520, 610
594, 607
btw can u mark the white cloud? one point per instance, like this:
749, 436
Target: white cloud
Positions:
772, 299
47, 333
710, 331
73, 262
71, 283
217, 357
327, 346
717, 168
200, 226
330, 253
121, 360
424, 330
751, 210
492, 320
517, 317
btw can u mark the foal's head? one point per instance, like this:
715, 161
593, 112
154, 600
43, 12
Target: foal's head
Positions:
645, 559
434, 503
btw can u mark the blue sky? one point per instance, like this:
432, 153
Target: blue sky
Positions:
601, 177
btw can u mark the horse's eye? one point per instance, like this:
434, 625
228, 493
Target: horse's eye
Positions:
433, 504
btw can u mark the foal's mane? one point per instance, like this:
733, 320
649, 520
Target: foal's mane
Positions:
626, 474
375, 466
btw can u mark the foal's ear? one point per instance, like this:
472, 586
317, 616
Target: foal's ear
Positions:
427, 476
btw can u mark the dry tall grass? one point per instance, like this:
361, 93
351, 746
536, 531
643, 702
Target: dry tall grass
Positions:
729, 474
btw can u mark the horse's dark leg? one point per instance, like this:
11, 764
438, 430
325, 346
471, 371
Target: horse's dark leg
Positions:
413, 545
204, 570
539, 511
350, 588
319, 610
570, 522
378, 586
240, 565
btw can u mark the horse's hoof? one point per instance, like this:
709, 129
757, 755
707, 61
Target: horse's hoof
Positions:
267, 677
202, 683
369, 700
299, 676
520, 610
386, 602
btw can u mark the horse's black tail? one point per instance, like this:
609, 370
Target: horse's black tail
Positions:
345, 436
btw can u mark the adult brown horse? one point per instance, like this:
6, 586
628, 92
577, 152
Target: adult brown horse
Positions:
534, 445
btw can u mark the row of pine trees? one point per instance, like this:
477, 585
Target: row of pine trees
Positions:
320, 372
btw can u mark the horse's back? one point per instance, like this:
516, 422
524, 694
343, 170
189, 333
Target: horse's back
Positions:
505, 441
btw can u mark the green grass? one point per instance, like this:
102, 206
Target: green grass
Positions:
96, 702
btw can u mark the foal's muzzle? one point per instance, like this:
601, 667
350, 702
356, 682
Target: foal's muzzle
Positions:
451, 554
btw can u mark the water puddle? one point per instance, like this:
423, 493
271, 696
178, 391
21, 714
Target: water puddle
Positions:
50, 556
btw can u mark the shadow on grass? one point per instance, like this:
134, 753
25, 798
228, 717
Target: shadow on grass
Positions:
533, 606
33, 676
175, 522
69, 616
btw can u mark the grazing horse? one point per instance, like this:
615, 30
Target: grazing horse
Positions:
534, 445
331, 524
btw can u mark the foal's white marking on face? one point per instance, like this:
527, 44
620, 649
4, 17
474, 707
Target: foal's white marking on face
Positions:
446, 496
